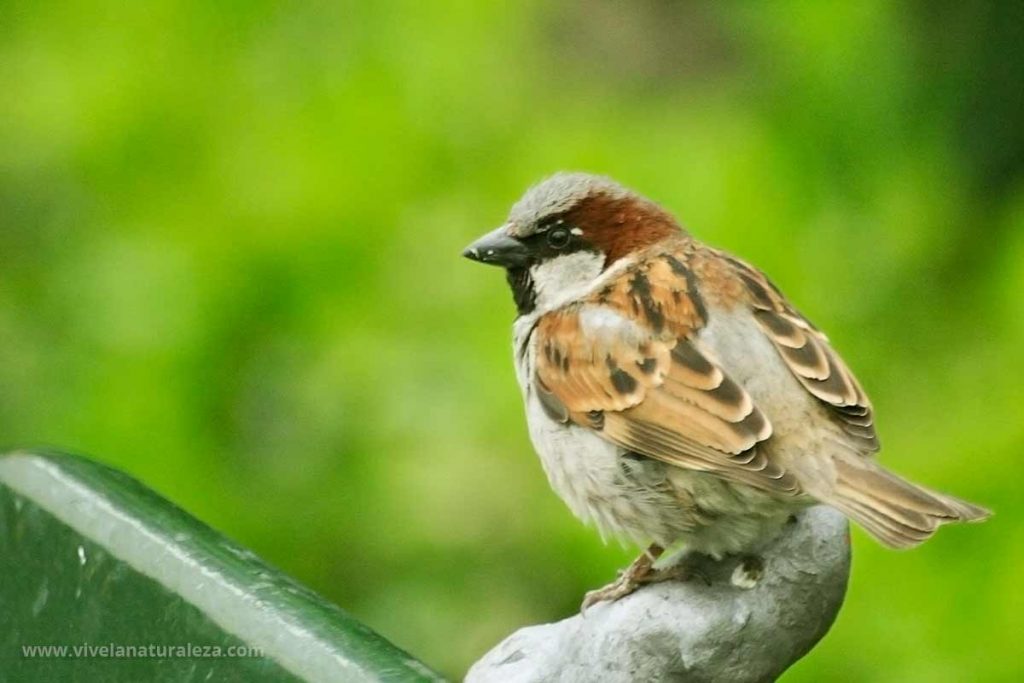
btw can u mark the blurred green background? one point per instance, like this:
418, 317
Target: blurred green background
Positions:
229, 264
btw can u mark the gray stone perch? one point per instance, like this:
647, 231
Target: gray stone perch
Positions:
714, 630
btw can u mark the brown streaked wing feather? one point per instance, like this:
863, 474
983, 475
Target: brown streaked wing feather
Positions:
621, 363
810, 357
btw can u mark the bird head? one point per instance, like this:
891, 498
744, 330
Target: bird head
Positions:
567, 231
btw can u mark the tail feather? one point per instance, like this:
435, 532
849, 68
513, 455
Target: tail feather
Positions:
893, 510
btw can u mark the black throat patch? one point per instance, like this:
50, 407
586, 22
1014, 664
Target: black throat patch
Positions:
522, 289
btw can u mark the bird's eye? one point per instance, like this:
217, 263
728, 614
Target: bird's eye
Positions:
558, 238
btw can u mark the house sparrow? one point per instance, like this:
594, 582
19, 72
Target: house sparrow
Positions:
674, 394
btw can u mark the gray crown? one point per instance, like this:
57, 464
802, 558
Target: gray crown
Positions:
557, 194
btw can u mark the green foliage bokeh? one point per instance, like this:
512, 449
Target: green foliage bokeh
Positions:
229, 264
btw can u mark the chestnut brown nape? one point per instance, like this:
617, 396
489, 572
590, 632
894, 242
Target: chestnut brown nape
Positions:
619, 226
610, 217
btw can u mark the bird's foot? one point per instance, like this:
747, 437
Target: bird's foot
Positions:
691, 566
619, 588
640, 573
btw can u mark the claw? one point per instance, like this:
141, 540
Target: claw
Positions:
619, 588
628, 580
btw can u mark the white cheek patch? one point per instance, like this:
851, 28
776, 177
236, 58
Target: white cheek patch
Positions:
563, 278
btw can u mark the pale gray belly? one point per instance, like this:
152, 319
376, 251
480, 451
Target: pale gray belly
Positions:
624, 497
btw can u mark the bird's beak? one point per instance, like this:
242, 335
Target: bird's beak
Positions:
498, 248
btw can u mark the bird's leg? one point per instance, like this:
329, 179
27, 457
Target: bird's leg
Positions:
640, 572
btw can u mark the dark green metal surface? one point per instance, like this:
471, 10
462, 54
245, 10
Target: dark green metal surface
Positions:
90, 557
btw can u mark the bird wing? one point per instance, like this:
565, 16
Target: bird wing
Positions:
809, 356
623, 363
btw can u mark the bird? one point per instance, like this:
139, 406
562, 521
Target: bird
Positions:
674, 395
